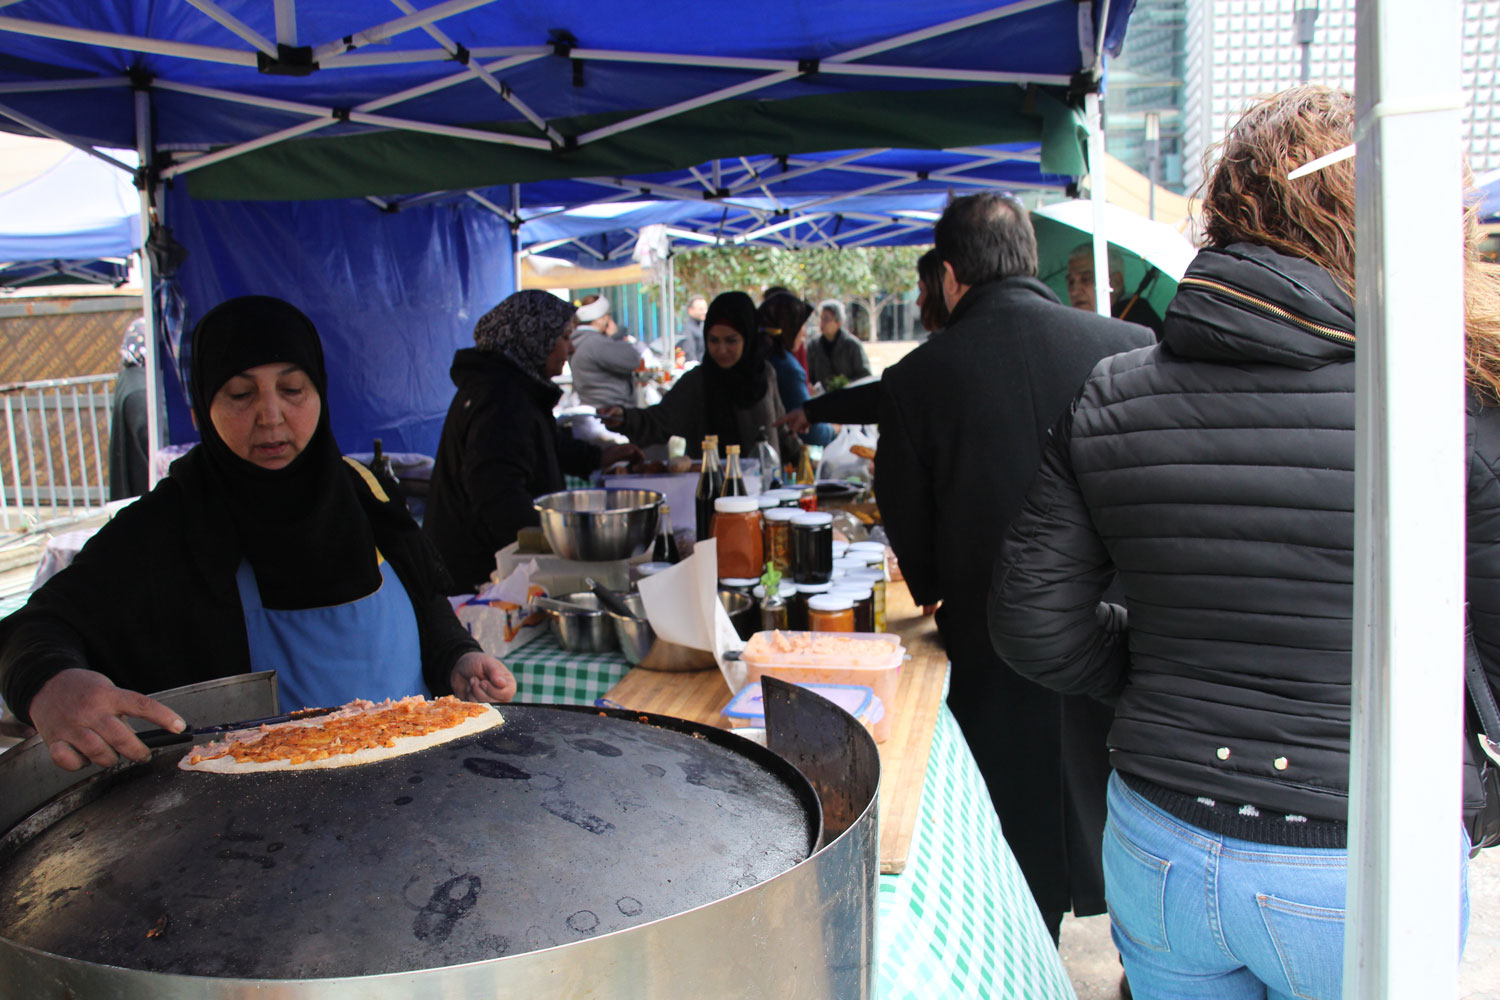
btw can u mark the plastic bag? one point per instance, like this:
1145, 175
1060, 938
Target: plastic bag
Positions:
851, 454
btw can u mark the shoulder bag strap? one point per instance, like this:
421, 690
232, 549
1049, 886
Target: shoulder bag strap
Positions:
1480, 693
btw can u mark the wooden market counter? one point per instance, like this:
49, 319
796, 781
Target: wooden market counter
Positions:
702, 696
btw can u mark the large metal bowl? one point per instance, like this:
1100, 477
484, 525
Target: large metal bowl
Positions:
580, 631
643, 648
600, 525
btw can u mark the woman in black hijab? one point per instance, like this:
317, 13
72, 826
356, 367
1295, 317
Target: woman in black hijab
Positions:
731, 394
263, 549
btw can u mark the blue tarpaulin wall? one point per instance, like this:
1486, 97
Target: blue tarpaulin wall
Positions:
393, 295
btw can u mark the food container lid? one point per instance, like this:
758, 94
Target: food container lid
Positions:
739, 582
856, 699
811, 518
650, 568
778, 514
768, 502
839, 548
850, 562
867, 573
855, 591
830, 602
813, 588
737, 505
785, 495
874, 548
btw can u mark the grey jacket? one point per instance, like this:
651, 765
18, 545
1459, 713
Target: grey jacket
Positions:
684, 412
845, 356
602, 368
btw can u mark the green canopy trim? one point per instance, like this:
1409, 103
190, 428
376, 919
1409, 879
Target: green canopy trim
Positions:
401, 162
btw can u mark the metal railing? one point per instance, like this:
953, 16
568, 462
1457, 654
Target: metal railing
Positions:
54, 452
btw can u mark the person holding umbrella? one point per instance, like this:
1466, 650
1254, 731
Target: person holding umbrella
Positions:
1131, 308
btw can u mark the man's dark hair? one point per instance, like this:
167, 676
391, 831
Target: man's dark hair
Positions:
986, 237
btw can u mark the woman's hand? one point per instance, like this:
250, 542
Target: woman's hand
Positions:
795, 421
613, 416
78, 714
480, 677
616, 453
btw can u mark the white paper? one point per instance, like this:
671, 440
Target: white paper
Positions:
514, 589
682, 604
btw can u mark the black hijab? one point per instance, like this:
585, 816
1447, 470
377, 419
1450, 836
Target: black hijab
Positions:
741, 386
302, 526
780, 316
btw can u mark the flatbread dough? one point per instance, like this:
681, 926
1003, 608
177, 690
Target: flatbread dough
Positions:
402, 745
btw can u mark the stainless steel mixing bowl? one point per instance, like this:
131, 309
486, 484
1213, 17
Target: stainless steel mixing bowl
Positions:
643, 648
600, 525
583, 631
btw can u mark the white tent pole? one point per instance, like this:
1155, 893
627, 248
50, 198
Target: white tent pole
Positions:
671, 110
480, 73
143, 145
237, 26
52, 133
230, 152
1097, 194
1401, 932
390, 29
52, 86
360, 60
836, 68
515, 237
130, 43
286, 21
862, 192
832, 164
480, 199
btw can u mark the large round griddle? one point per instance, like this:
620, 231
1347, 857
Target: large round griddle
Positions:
560, 825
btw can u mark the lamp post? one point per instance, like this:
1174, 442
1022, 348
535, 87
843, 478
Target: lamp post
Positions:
1153, 157
1307, 19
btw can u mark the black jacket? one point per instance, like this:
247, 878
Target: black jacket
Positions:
150, 606
500, 449
962, 421
1215, 475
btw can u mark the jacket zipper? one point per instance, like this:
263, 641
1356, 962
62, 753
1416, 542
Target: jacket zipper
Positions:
1327, 332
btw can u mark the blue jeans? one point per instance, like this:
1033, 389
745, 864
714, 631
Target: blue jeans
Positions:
1200, 916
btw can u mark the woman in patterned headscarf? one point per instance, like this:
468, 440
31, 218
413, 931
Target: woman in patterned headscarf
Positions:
500, 446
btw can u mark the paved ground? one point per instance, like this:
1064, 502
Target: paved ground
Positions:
1094, 966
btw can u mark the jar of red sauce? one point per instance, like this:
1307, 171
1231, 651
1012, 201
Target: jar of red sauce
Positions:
737, 530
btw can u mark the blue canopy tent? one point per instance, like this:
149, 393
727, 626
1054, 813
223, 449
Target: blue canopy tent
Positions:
372, 163
74, 219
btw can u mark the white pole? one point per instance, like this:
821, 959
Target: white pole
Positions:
1401, 934
143, 147
1097, 194
515, 238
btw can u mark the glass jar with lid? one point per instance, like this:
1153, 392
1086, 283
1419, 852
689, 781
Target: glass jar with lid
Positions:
832, 612
812, 547
738, 532
863, 597
778, 543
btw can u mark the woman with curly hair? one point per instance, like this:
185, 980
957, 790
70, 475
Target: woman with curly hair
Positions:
1212, 476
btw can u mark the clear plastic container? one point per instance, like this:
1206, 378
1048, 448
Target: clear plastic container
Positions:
863, 658
748, 707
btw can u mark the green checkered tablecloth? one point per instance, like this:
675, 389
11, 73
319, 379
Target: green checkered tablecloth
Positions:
548, 674
960, 921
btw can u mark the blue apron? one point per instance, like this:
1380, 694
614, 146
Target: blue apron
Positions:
367, 648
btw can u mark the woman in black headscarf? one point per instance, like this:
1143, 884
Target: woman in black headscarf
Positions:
731, 394
263, 549
501, 447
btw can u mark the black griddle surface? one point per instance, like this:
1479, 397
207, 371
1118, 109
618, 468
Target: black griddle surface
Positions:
557, 826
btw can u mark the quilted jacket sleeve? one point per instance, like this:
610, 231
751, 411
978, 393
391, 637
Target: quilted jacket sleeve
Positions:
1045, 614
1483, 528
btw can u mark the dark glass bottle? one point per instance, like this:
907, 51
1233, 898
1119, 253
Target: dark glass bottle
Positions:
734, 480
385, 473
666, 543
710, 483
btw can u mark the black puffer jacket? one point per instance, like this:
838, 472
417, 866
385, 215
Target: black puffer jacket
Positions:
1215, 474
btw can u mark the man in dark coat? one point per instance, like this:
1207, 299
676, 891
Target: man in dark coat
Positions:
963, 419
